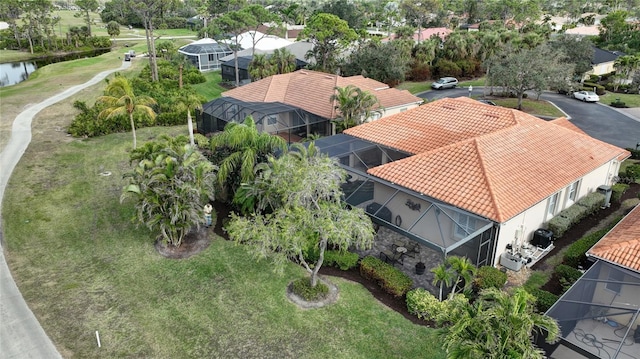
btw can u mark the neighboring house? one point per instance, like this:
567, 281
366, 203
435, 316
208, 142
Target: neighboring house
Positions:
297, 104
205, 53
298, 49
229, 68
262, 41
602, 62
426, 34
599, 315
464, 178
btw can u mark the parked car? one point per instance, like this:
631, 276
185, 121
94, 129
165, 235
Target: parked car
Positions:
586, 96
488, 102
445, 83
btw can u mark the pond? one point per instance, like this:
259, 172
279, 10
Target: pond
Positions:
15, 72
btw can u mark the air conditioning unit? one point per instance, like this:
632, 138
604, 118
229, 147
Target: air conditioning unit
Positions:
542, 238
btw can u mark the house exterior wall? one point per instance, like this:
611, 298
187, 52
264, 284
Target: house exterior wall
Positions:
600, 69
519, 229
388, 111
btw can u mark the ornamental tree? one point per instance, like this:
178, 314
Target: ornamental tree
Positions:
299, 204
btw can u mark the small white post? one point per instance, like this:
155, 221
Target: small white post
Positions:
98, 339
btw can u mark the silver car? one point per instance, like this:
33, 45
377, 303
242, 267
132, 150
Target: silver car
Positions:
445, 83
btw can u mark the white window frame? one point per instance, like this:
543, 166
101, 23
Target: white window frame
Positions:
464, 223
552, 205
572, 193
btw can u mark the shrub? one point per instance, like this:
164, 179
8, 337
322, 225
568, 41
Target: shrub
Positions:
567, 275
618, 104
635, 154
589, 86
302, 288
617, 190
544, 299
575, 255
100, 42
594, 78
424, 304
171, 118
389, 278
559, 225
593, 201
342, 259
419, 71
446, 68
194, 77
489, 277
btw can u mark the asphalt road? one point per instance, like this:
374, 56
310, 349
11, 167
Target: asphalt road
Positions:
597, 120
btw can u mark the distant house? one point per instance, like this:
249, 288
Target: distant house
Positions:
426, 34
298, 49
205, 53
464, 178
599, 315
297, 104
602, 62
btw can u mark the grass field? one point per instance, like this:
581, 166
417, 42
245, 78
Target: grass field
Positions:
210, 89
83, 266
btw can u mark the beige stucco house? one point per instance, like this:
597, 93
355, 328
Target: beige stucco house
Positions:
465, 178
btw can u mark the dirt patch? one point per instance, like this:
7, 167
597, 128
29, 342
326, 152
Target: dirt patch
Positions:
193, 243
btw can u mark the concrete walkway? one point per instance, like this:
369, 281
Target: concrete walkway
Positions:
21, 335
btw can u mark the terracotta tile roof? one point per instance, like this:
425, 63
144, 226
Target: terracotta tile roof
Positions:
492, 161
622, 244
564, 122
311, 91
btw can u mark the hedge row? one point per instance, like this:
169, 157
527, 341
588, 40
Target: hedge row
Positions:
389, 278
575, 255
635, 154
544, 299
574, 214
423, 304
617, 190
342, 260
489, 277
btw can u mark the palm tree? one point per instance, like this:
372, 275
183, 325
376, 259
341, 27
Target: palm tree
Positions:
464, 271
497, 325
247, 147
443, 276
170, 184
354, 105
283, 60
188, 101
260, 67
120, 100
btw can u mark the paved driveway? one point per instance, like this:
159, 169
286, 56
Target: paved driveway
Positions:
605, 123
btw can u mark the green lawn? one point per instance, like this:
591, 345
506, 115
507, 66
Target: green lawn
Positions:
629, 99
83, 266
210, 89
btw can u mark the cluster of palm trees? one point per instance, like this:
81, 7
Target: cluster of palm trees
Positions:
354, 105
455, 273
281, 61
626, 66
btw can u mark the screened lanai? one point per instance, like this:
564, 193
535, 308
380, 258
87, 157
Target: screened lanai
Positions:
427, 221
278, 118
205, 53
599, 315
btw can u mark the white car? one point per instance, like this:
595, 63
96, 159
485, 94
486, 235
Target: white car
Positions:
586, 96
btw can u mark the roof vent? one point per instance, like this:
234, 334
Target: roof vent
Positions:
449, 107
380, 88
492, 114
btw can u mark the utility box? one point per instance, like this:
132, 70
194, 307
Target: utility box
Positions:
512, 261
606, 191
542, 238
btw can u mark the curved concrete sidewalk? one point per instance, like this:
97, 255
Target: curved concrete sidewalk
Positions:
21, 335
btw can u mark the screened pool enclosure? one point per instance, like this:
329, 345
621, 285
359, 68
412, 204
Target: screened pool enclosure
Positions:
427, 221
599, 315
276, 118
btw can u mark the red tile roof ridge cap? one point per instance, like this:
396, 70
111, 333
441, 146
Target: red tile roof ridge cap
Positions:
270, 83
488, 182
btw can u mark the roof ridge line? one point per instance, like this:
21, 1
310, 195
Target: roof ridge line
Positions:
266, 93
488, 182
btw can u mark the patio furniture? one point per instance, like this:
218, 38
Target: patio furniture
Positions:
392, 257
